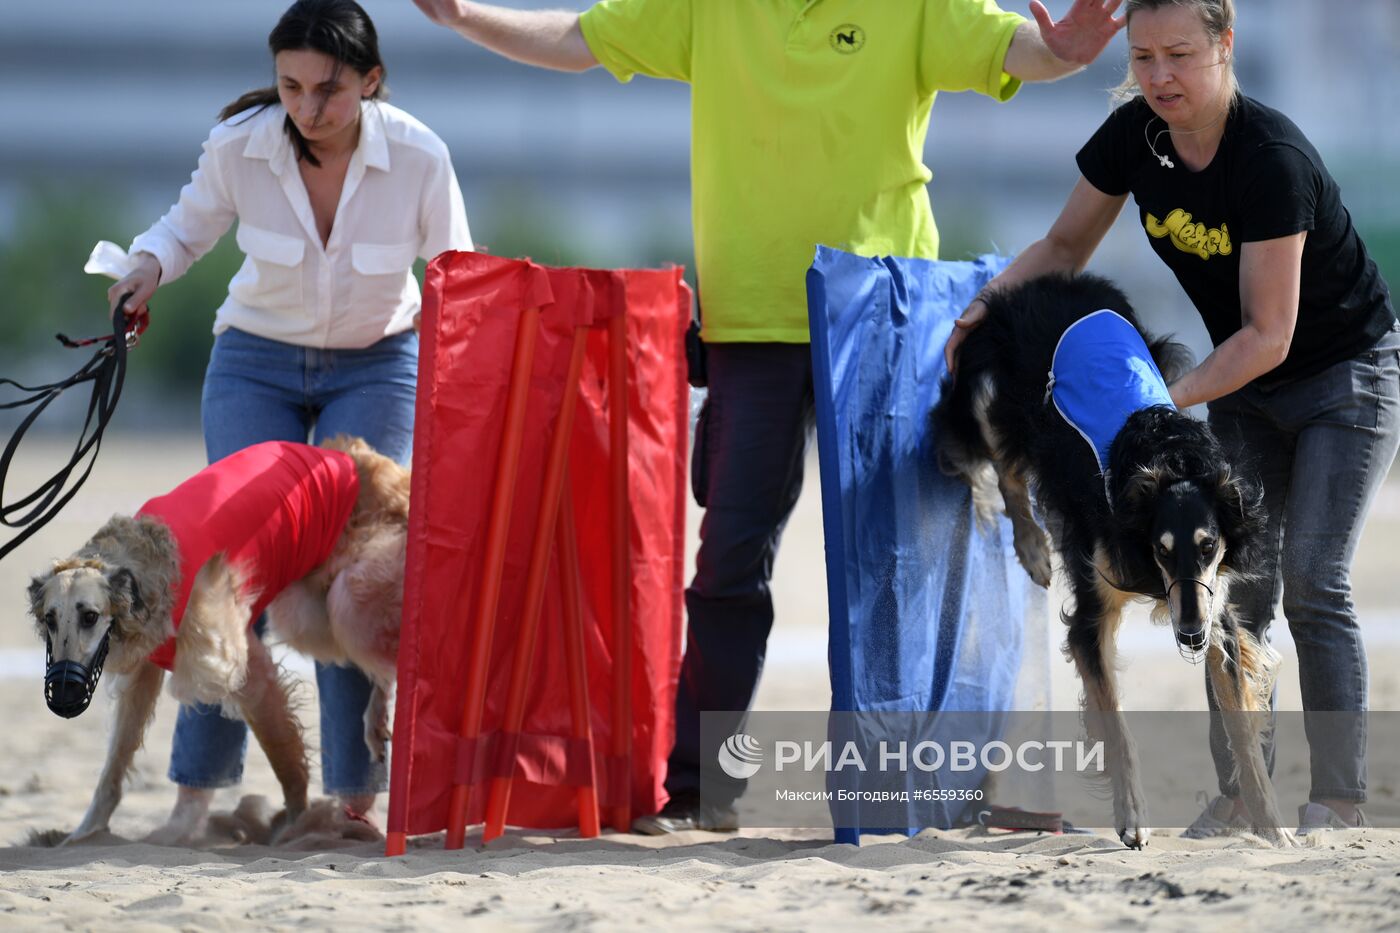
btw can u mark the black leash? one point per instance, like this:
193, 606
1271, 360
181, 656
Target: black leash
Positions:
106, 371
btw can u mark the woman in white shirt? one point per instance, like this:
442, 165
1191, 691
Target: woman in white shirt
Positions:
335, 193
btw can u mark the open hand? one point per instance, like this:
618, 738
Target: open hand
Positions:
1079, 36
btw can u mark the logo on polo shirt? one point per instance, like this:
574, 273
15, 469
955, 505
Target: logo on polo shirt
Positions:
847, 38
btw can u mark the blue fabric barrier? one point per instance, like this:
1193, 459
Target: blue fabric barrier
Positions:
927, 611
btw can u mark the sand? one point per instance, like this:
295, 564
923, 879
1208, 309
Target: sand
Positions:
758, 879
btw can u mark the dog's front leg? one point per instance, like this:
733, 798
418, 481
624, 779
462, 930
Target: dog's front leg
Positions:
263, 702
1091, 640
1230, 669
136, 701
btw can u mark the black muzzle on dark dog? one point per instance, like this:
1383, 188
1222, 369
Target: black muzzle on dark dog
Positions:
69, 685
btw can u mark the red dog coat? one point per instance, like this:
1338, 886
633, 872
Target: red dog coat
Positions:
274, 510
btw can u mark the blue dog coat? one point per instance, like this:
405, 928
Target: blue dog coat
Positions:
1100, 374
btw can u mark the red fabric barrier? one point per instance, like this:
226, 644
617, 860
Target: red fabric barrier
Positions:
471, 309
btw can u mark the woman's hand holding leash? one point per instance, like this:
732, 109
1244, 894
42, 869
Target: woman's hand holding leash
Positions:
106, 371
137, 286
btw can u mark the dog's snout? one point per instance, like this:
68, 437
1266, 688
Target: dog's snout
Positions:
1190, 636
1188, 601
66, 689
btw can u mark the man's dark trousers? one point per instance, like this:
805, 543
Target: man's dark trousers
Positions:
746, 471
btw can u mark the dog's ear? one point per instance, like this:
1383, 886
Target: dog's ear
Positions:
1134, 508
124, 593
36, 595
1173, 359
1138, 490
1239, 508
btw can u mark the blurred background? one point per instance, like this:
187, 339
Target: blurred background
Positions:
105, 105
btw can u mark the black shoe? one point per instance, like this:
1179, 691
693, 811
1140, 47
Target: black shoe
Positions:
683, 812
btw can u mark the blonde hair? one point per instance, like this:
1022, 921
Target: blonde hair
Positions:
1217, 17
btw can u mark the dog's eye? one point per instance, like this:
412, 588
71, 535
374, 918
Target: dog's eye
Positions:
1208, 546
1163, 550
89, 618
51, 620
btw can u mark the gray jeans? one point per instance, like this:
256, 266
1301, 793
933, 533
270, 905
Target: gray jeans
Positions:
1321, 447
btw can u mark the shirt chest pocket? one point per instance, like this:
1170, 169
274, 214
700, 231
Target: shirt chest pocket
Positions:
383, 258
382, 280
277, 261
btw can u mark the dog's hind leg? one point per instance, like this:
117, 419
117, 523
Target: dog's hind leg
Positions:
298, 618
264, 704
136, 701
1237, 666
1093, 630
1032, 547
377, 722
364, 604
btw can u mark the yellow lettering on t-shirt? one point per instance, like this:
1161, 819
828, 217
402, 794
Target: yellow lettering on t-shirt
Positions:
1194, 238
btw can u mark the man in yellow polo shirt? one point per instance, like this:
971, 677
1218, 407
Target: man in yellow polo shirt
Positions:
808, 120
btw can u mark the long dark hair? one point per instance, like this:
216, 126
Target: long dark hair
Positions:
338, 28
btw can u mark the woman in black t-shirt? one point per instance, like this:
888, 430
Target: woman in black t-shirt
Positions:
1304, 378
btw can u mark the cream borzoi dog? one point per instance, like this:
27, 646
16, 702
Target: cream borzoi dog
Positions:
316, 536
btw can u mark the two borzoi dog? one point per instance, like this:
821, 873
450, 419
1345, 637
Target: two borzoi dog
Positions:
317, 537
1165, 515
1155, 510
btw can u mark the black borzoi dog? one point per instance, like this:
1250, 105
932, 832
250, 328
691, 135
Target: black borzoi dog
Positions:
1168, 519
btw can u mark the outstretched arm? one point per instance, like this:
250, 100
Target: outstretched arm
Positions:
1076, 233
1271, 274
1051, 50
547, 38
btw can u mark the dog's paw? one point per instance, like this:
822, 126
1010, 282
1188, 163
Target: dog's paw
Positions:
1278, 836
1134, 837
1130, 817
1034, 553
283, 822
82, 834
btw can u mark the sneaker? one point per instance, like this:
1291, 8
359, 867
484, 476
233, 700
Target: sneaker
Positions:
1316, 817
1217, 819
684, 811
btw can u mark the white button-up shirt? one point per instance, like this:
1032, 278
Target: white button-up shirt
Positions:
400, 201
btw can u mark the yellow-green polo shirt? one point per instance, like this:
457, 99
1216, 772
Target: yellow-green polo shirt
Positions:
808, 120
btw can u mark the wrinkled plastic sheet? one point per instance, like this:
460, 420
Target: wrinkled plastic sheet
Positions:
471, 310
928, 612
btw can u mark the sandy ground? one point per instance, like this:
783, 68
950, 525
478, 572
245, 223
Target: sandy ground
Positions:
759, 879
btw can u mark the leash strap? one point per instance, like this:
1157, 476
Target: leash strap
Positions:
106, 370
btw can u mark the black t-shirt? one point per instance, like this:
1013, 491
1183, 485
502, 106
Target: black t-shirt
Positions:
1266, 181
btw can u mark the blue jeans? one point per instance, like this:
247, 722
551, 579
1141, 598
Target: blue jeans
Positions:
262, 390
1321, 447
746, 472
